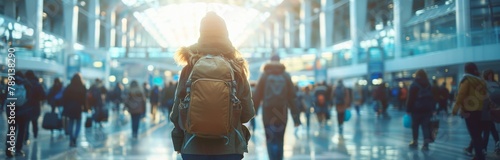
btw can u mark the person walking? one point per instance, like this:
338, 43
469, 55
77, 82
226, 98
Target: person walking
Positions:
420, 106
154, 100
74, 102
491, 83
444, 95
136, 105
97, 99
54, 97
37, 97
22, 109
358, 98
307, 103
342, 101
472, 88
276, 92
167, 98
115, 96
214, 86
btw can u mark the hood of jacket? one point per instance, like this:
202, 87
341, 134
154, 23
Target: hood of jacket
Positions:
189, 55
274, 68
470, 76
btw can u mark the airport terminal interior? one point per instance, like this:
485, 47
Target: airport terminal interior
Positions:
373, 46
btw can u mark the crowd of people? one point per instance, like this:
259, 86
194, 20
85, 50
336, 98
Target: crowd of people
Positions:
69, 102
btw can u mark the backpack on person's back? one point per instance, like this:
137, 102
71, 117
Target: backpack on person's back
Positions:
321, 96
275, 90
425, 101
210, 107
19, 93
340, 93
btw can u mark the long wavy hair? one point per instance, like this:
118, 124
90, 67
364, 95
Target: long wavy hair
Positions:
186, 56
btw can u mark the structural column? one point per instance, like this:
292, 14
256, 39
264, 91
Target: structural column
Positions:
281, 33
70, 14
269, 36
401, 15
94, 24
357, 10
10, 9
306, 25
34, 10
290, 29
463, 22
326, 23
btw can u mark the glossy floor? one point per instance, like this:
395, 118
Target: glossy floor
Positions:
365, 137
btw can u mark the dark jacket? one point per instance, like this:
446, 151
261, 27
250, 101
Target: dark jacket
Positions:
204, 146
97, 91
25, 110
74, 100
413, 95
51, 96
37, 97
154, 96
271, 114
167, 96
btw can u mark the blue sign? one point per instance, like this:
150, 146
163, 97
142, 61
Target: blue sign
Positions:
74, 65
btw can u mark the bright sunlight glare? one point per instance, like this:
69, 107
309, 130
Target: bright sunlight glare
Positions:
177, 25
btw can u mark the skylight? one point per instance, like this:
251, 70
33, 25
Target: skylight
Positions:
177, 25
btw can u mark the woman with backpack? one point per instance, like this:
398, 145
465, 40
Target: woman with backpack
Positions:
136, 105
420, 106
472, 88
213, 46
74, 102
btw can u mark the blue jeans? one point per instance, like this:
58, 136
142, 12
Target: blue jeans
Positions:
212, 157
136, 118
275, 135
74, 127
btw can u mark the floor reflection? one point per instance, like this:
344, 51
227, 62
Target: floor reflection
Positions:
365, 137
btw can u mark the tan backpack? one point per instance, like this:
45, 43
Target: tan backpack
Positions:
207, 109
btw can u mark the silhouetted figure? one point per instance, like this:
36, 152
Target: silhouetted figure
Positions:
74, 104
136, 105
403, 96
55, 98
37, 97
154, 100
97, 98
342, 101
491, 83
380, 95
167, 98
20, 105
115, 96
358, 97
420, 106
276, 92
322, 103
307, 103
444, 95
